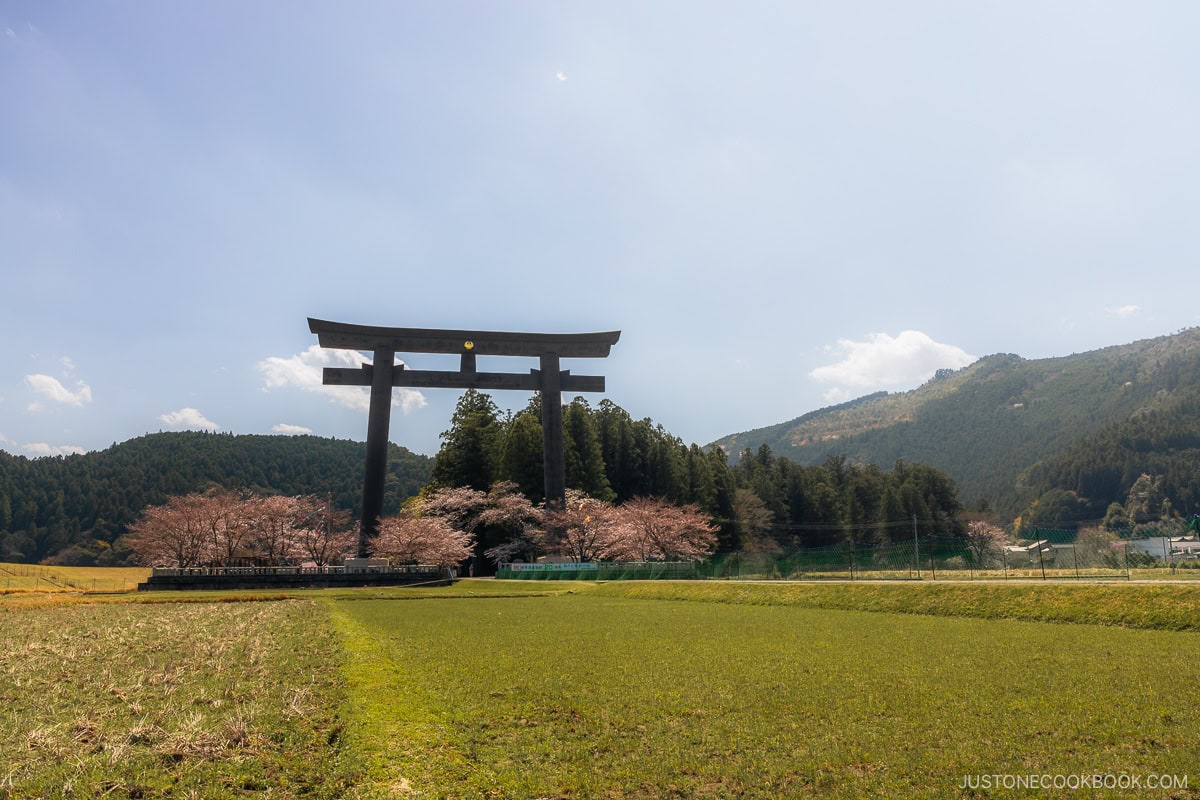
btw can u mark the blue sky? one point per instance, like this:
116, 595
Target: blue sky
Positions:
780, 205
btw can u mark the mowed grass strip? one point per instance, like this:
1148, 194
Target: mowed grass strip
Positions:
592, 696
196, 700
1162, 606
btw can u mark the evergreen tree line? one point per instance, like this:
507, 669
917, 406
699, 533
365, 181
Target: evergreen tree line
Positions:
762, 501
74, 509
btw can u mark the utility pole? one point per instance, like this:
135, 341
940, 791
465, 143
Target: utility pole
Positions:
916, 547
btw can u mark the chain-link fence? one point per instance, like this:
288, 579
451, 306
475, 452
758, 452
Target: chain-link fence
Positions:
931, 559
1046, 555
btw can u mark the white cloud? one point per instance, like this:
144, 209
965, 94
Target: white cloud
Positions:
1124, 312
303, 371
290, 430
881, 361
39, 449
189, 418
562, 76
409, 400
67, 364
52, 389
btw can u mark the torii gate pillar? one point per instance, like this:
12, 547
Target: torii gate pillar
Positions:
379, 419
554, 462
383, 375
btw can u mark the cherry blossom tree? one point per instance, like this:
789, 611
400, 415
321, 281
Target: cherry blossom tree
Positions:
324, 534
175, 534
191, 530
985, 541
643, 529
422, 540
652, 529
502, 519
512, 521
219, 527
227, 525
459, 506
272, 523
584, 530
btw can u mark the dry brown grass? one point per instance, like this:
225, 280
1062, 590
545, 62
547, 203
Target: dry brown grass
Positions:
166, 699
39, 578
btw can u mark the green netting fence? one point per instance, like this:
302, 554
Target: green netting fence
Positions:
1046, 555
604, 571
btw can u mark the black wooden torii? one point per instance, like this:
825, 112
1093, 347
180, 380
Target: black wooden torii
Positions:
383, 375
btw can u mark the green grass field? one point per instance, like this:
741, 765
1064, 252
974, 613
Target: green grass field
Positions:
620, 690
596, 696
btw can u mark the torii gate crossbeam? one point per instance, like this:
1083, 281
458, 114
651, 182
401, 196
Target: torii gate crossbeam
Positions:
383, 375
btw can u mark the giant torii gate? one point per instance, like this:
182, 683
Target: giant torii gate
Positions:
384, 374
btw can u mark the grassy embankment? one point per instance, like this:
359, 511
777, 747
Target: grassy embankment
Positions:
1165, 606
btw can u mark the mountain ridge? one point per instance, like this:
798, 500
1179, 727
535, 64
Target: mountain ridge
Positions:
988, 423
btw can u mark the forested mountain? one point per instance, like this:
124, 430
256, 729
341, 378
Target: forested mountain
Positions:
77, 506
1008, 429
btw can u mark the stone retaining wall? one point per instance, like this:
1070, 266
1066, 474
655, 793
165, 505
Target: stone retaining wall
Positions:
216, 582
